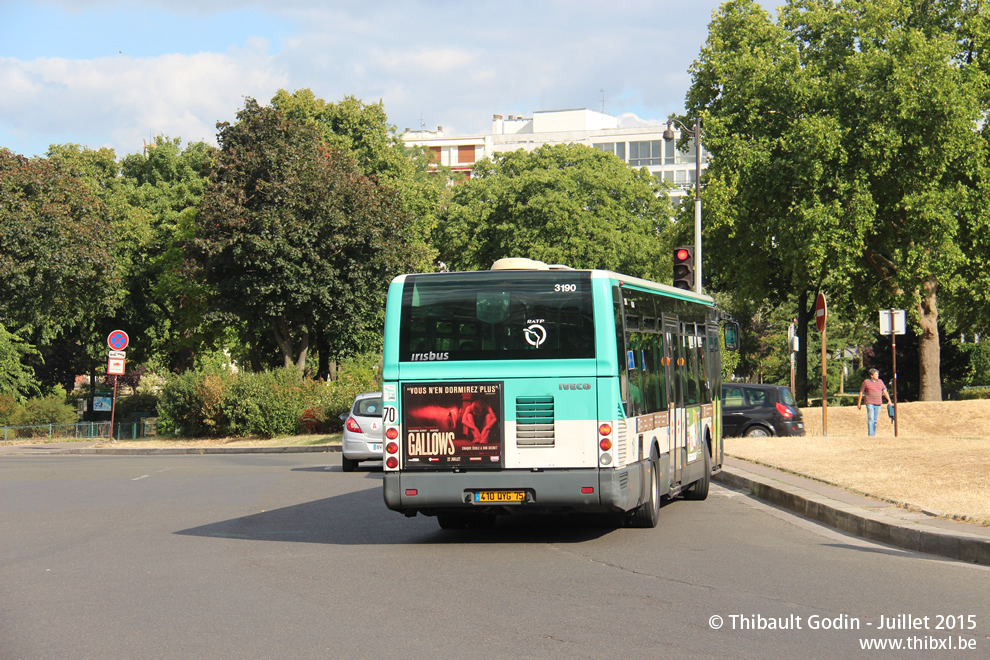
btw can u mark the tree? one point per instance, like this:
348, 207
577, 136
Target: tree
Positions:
845, 157
363, 131
294, 239
569, 204
57, 264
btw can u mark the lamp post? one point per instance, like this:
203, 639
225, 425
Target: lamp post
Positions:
668, 135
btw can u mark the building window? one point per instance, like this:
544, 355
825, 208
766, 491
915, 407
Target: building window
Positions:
465, 153
643, 154
435, 154
617, 148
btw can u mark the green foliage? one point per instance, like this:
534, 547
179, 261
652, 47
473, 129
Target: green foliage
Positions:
568, 204
190, 403
9, 409
215, 402
16, 378
969, 393
51, 409
977, 357
56, 250
134, 403
294, 239
846, 156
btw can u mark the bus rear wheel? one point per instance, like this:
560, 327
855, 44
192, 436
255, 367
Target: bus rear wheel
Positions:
648, 514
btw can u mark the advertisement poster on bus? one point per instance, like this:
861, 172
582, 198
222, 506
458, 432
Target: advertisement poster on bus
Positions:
453, 425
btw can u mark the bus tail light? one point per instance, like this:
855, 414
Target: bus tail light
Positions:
587, 490
605, 444
784, 411
605, 429
392, 448
392, 462
391, 433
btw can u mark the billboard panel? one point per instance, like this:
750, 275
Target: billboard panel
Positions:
453, 425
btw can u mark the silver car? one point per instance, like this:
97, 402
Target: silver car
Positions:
362, 439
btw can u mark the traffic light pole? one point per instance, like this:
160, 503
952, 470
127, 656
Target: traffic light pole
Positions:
668, 135
697, 205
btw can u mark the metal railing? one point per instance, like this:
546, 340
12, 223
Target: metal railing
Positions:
141, 428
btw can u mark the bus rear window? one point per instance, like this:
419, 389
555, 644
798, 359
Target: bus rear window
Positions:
497, 316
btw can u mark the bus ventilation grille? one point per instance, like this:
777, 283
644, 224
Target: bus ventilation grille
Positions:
621, 443
534, 421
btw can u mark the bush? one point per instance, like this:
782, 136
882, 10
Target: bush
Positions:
51, 409
9, 410
215, 402
968, 393
190, 404
269, 404
128, 405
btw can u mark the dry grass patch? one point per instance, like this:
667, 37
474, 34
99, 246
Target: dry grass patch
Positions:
939, 462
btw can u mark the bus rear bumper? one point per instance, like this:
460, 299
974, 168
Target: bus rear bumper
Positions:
563, 489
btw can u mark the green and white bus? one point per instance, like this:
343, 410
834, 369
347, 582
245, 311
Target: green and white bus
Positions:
536, 388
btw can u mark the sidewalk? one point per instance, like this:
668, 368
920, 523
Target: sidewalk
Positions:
860, 516
854, 514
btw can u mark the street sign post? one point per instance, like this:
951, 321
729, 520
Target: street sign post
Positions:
117, 341
893, 322
821, 314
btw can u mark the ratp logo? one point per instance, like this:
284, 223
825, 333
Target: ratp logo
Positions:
536, 334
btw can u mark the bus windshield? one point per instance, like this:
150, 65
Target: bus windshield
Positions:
497, 316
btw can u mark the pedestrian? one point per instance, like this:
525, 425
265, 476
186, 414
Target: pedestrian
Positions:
874, 390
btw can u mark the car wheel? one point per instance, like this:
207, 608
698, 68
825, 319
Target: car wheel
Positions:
757, 432
648, 514
699, 489
348, 464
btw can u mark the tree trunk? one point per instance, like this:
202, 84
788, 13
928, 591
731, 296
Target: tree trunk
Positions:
929, 378
801, 359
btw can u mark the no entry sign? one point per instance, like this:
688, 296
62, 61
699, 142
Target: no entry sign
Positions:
821, 312
117, 340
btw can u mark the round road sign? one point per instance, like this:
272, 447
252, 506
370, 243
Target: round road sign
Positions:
117, 340
821, 312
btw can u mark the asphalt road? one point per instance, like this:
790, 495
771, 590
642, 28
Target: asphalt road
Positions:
274, 556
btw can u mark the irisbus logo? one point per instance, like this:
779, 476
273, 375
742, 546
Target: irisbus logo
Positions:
420, 357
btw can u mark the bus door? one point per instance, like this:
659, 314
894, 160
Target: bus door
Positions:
675, 398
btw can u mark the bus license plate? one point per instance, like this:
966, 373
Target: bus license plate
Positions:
499, 496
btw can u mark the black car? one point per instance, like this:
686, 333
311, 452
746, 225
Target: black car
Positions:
759, 410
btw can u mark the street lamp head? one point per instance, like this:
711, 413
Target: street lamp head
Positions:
668, 134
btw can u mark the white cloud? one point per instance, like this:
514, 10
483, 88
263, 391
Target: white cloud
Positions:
128, 100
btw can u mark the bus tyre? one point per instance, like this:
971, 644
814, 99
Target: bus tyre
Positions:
699, 489
451, 521
648, 514
348, 464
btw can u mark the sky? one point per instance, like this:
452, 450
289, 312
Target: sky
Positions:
110, 73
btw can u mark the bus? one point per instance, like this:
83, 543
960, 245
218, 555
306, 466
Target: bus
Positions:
541, 388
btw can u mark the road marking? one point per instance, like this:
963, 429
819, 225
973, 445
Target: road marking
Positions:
141, 477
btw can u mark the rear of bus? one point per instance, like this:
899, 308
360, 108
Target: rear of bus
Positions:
501, 394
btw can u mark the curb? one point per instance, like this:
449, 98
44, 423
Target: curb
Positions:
861, 522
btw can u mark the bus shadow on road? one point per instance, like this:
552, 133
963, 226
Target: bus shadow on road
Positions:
360, 518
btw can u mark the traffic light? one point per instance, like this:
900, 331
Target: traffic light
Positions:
684, 268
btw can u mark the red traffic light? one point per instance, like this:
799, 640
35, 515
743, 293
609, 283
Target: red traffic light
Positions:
684, 268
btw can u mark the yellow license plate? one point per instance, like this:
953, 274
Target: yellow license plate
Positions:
500, 496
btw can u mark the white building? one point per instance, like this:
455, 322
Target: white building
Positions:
640, 146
